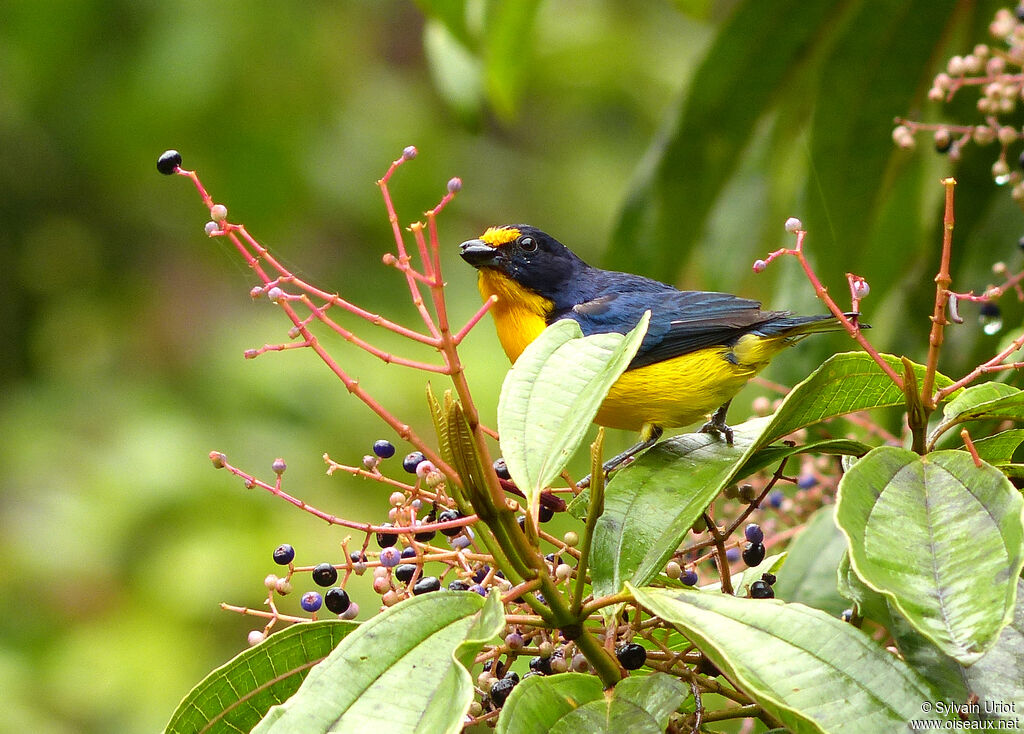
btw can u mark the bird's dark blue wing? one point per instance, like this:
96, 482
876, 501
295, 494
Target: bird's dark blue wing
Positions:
681, 321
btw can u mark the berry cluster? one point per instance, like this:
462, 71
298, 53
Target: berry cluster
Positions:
997, 73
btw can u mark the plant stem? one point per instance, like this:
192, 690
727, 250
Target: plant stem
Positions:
594, 510
942, 283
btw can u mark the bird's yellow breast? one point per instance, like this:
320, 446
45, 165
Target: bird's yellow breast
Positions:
519, 314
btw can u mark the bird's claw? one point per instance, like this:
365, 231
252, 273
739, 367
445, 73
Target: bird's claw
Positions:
718, 428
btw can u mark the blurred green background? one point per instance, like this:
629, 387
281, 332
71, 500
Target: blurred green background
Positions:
669, 138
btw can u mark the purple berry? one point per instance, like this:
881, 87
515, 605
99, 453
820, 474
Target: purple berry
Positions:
689, 577
478, 589
311, 601
733, 554
806, 480
775, 498
754, 533
390, 557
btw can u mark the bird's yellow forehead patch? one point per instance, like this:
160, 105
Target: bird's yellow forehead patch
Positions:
497, 236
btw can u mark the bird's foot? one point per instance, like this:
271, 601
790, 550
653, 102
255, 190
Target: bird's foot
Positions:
626, 457
717, 425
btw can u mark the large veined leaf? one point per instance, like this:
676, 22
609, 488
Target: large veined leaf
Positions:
809, 575
570, 703
551, 395
651, 504
235, 696
407, 666
806, 668
941, 538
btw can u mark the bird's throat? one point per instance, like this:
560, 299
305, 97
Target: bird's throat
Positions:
520, 315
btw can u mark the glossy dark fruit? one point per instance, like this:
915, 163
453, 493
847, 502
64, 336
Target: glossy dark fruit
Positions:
689, 577
168, 162
413, 460
405, 572
768, 578
753, 533
631, 655
761, 590
501, 469
386, 540
753, 554
336, 600
448, 516
384, 448
545, 514
284, 554
458, 585
540, 665
324, 574
425, 585
501, 689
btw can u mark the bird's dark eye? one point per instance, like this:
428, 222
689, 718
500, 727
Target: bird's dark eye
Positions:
528, 244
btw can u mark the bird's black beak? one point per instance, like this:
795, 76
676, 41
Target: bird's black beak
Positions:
478, 253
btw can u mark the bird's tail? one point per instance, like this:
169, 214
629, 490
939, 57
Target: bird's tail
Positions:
800, 326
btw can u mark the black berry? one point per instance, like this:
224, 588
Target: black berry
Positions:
989, 310
540, 665
753, 554
545, 514
413, 460
336, 600
409, 552
501, 689
404, 572
357, 557
426, 535
847, 615
324, 574
384, 448
448, 516
426, 584
754, 533
768, 578
458, 585
631, 655
284, 554
761, 590
386, 540
168, 162
501, 469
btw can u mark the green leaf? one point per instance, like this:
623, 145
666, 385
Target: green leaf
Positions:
507, 50
809, 575
571, 702
421, 647
807, 669
868, 602
981, 402
235, 696
539, 701
999, 449
999, 676
941, 538
651, 505
551, 395
750, 59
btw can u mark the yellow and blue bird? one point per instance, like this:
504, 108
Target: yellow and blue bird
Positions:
701, 348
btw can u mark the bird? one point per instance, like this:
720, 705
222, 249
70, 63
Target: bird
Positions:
700, 348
